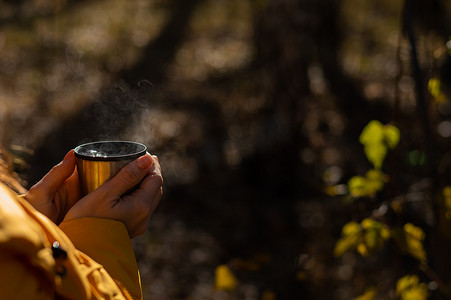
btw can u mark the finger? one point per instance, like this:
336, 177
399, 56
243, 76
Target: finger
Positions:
73, 189
145, 201
57, 175
156, 167
148, 196
152, 182
128, 177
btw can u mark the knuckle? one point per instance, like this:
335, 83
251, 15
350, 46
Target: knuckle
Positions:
129, 176
159, 179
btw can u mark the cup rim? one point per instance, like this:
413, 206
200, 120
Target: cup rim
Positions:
141, 150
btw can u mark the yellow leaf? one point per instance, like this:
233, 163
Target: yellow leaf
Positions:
419, 292
365, 237
414, 237
375, 233
357, 186
405, 283
351, 234
373, 133
416, 249
224, 278
345, 244
376, 139
368, 223
434, 86
392, 135
362, 249
375, 181
369, 294
435, 89
410, 288
447, 191
385, 233
447, 195
376, 154
350, 228
369, 185
376, 175
372, 238
414, 231
374, 186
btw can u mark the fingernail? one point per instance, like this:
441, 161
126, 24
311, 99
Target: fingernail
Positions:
144, 161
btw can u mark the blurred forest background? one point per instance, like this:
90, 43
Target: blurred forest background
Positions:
255, 109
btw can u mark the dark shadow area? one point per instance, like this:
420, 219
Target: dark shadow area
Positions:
160, 53
116, 107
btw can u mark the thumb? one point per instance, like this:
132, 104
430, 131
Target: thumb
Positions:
57, 175
128, 177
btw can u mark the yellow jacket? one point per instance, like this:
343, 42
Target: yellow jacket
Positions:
86, 258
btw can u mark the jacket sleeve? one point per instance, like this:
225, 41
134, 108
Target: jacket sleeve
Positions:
108, 243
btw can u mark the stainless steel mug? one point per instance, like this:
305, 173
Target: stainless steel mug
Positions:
98, 162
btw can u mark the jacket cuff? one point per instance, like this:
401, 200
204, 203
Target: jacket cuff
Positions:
108, 243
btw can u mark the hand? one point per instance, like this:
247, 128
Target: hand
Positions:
134, 209
57, 191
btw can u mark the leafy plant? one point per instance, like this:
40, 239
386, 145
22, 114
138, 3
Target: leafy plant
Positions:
368, 185
377, 139
366, 237
370, 235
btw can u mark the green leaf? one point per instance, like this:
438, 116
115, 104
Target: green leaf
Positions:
416, 157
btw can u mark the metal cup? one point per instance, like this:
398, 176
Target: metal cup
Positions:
98, 162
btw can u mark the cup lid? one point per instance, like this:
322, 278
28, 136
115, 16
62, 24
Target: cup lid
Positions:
110, 150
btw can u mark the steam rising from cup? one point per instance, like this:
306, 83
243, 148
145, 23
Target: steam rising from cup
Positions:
98, 162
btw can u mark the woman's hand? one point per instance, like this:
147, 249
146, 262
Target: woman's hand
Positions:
57, 191
134, 209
